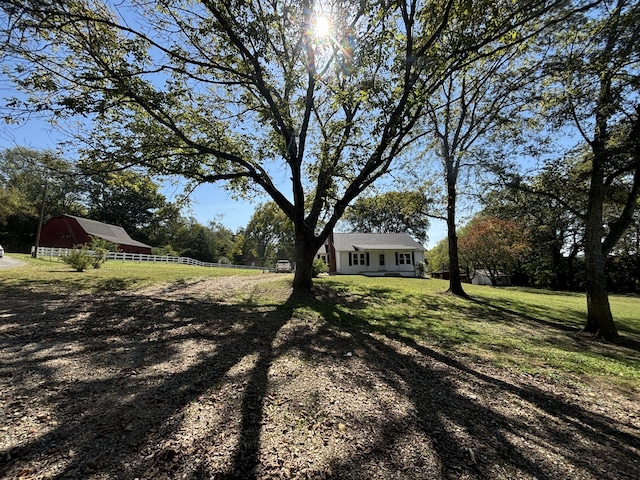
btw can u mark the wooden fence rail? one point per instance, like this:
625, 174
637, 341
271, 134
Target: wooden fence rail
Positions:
54, 252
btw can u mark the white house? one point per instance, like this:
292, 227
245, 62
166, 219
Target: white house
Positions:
373, 254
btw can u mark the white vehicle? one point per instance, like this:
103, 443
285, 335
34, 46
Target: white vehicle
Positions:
283, 266
1, 251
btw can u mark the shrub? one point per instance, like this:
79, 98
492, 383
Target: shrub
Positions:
319, 267
421, 270
100, 249
79, 259
166, 250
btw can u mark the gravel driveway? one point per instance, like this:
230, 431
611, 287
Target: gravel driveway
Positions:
196, 382
8, 262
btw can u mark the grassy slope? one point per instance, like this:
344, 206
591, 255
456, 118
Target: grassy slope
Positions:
529, 330
111, 276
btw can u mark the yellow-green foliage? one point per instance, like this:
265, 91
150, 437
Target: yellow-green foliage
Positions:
80, 258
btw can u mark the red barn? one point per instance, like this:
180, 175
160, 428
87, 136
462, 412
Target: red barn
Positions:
66, 231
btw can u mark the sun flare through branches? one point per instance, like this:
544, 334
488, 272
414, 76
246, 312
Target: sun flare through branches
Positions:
321, 27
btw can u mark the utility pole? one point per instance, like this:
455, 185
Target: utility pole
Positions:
34, 254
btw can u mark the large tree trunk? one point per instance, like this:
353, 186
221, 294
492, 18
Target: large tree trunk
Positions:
599, 318
558, 267
455, 283
305, 251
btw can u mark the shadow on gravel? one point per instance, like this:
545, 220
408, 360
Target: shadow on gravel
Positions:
451, 409
155, 361
113, 414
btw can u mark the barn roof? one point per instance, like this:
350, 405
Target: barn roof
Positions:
111, 233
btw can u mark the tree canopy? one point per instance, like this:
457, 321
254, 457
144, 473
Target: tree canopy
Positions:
127, 199
492, 244
269, 234
591, 88
555, 233
36, 182
32, 181
391, 212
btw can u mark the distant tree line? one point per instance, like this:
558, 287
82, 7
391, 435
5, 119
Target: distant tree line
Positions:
536, 239
34, 183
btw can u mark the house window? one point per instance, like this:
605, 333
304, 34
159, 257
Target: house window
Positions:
404, 258
359, 258
382, 259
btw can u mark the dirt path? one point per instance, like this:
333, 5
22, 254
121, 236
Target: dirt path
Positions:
196, 382
8, 262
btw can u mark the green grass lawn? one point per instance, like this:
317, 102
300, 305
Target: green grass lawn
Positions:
111, 276
532, 331
529, 330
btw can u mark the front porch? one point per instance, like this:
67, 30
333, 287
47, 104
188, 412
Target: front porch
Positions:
386, 273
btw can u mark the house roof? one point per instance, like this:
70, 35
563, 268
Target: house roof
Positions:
111, 233
351, 242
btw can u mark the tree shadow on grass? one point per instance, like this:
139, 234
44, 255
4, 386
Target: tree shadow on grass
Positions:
448, 394
511, 310
76, 281
159, 364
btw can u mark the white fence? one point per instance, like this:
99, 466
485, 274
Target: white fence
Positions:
53, 252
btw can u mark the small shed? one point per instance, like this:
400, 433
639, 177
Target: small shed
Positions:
483, 277
445, 274
67, 231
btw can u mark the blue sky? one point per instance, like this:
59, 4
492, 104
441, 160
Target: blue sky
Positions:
209, 202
